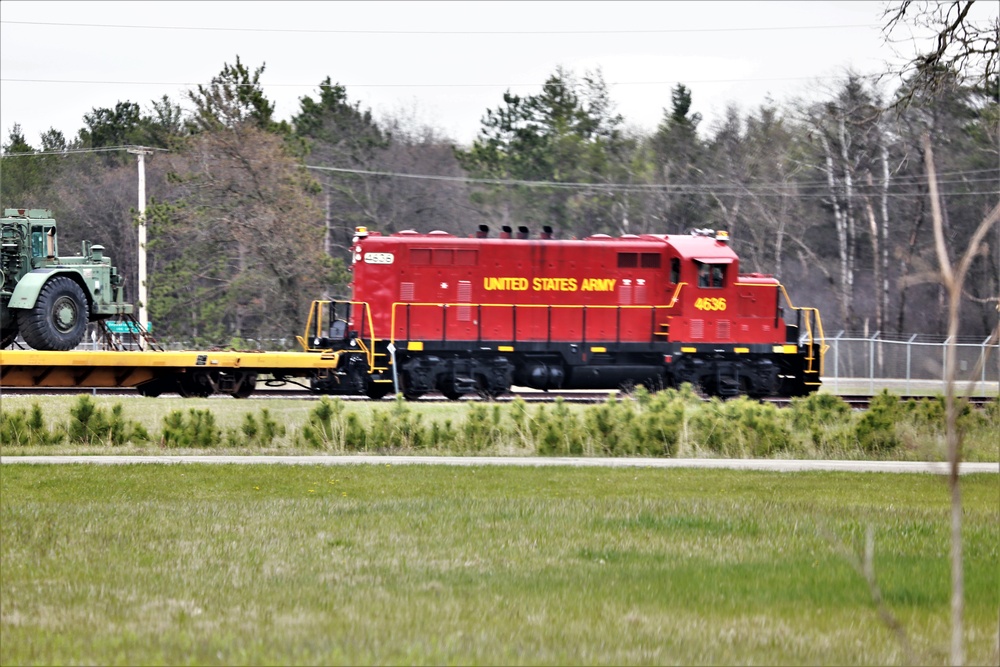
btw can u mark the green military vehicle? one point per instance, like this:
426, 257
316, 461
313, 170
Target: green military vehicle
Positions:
46, 298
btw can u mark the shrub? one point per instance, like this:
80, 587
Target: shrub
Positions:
91, 424
254, 432
559, 432
443, 436
930, 413
610, 427
521, 423
397, 427
198, 429
825, 419
325, 427
657, 428
22, 427
740, 428
876, 429
483, 427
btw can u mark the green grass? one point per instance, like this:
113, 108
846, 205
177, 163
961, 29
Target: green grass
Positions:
192, 564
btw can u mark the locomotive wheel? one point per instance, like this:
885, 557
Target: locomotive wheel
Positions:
59, 318
451, 394
377, 390
485, 390
408, 393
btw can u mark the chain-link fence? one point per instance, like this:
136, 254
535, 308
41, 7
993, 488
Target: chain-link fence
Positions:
911, 364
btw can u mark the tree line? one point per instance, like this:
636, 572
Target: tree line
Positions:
250, 217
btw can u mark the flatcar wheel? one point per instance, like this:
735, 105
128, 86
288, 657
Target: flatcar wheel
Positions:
247, 386
158, 386
150, 389
191, 386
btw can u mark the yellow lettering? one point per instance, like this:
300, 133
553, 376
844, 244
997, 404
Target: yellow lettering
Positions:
553, 284
710, 303
505, 283
598, 285
510, 283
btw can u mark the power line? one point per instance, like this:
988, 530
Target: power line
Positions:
67, 151
422, 85
779, 188
652, 31
761, 189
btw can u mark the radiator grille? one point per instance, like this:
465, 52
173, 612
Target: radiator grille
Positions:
697, 329
406, 291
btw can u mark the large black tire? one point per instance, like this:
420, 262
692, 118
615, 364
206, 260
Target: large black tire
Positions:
59, 318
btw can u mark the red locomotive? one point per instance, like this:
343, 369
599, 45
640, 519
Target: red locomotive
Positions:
437, 312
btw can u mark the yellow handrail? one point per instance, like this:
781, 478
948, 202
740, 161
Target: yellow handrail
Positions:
392, 325
810, 336
316, 313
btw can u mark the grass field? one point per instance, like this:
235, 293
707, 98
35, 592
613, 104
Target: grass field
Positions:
195, 564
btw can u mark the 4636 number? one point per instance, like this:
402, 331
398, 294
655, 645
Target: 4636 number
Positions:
710, 303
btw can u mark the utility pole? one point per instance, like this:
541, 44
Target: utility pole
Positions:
141, 152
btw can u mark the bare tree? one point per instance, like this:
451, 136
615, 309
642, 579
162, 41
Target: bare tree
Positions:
962, 45
846, 129
952, 278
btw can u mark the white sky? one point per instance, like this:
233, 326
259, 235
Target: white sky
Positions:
440, 63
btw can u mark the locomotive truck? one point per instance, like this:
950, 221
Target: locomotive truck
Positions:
437, 312
47, 298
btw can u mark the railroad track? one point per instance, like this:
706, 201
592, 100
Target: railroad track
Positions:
856, 401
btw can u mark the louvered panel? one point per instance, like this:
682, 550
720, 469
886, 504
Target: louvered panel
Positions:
722, 330
697, 329
406, 291
464, 296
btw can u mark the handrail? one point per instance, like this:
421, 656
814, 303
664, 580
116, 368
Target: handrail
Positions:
810, 336
316, 312
515, 306
676, 296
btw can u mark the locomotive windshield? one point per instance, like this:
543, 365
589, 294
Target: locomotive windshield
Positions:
711, 275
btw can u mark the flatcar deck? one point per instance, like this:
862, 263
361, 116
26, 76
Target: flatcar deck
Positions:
96, 368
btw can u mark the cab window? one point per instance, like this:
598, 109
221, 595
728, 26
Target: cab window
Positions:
712, 276
38, 243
